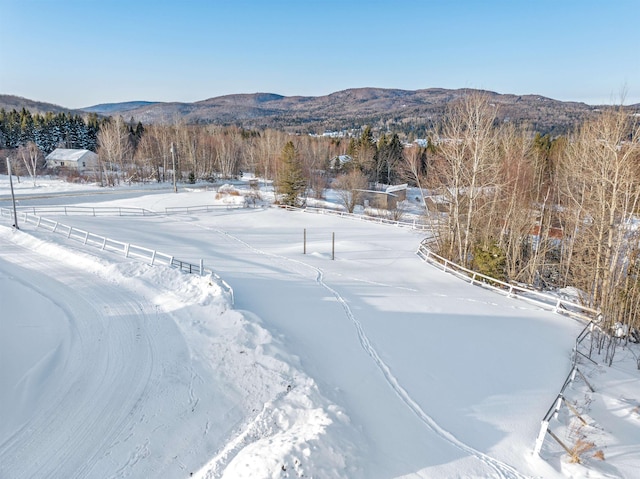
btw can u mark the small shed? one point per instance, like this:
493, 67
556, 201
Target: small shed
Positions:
378, 199
72, 159
399, 190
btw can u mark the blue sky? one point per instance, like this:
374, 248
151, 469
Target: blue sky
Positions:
78, 53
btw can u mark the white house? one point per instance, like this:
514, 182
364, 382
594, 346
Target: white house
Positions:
72, 159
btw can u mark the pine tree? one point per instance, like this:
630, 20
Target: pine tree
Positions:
291, 182
26, 127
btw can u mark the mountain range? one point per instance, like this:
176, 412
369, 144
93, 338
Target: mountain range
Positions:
382, 109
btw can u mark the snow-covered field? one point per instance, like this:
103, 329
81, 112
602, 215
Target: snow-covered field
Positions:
371, 365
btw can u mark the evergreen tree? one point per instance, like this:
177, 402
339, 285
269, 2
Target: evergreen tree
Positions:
364, 154
93, 127
291, 182
490, 259
18, 128
388, 156
26, 127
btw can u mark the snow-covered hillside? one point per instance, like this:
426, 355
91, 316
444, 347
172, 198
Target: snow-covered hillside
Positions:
371, 365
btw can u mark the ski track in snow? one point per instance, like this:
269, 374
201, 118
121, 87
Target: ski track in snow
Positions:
503, 470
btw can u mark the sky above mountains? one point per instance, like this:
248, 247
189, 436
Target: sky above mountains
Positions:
77, 53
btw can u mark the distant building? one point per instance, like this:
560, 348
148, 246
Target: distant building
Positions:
400, 191
337, 162
79, 160
378, 199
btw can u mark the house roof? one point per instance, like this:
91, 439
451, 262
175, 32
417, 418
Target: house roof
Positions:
67, 154
394, 188
376, 192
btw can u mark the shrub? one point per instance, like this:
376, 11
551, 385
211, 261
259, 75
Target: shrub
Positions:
490, 260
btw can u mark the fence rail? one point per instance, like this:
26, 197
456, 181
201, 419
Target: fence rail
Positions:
371, 219
199, 209
87, 210
557, 305
128, 250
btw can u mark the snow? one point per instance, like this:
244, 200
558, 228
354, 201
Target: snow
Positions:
371, 365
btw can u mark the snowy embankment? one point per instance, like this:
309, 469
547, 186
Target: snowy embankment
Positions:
373, 365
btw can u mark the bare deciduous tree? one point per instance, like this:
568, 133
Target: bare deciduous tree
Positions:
349, 188
31, 158
600, 182
468, 146
114, 149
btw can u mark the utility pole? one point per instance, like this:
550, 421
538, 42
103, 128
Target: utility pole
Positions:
13, 198
173, 157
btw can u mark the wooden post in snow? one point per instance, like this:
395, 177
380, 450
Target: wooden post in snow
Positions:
333, 246
13, 198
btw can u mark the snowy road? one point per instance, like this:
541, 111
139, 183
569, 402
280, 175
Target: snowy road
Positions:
389, 339
109, 386
102, 384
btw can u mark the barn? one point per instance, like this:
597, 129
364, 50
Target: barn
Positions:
72, 159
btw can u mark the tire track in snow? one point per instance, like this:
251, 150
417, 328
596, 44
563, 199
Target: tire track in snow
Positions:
98, 394
503, 470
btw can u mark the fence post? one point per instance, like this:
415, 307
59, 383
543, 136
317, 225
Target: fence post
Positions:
558, 406
104, 242
55, 227
201, 267
86, 237
126, 250
153, 257
540, 440
333, 246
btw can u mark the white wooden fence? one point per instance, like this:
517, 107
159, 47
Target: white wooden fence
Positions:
86, 210
546, 301
128, 250
199, 209
371, 219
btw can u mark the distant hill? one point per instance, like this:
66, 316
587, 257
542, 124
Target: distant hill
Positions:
108, 109
383, 109
11, 102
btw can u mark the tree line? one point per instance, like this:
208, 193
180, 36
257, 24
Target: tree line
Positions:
505, 201
48, 131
